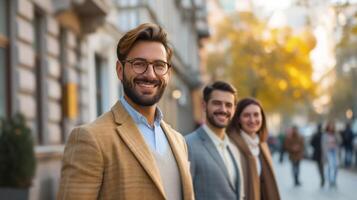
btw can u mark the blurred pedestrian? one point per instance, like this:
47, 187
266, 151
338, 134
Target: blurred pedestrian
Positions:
248, 131
347, 143
294, 145
317, 153
330, 144
281, 136
214, 160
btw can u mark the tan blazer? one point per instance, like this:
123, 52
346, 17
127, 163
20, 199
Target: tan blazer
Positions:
256, 188
109, 159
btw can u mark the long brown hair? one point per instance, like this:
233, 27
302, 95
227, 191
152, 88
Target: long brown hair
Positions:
235, 126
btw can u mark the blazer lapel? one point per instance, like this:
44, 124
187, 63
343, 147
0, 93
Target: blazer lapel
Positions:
131, 135
211, 148
180, 160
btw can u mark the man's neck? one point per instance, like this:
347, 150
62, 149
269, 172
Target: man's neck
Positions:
220, 132
147, 111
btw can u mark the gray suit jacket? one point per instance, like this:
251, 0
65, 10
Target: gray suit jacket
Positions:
209, 174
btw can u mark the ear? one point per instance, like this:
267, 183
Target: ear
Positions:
204, 106
120, 70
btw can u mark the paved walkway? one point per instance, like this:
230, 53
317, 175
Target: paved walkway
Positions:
310, 189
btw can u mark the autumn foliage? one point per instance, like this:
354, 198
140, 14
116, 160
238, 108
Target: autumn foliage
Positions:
272, 65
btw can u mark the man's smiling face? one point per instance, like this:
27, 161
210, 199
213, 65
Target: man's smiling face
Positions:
220, 108
144, 89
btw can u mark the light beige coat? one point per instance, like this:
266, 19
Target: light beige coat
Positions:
109, 159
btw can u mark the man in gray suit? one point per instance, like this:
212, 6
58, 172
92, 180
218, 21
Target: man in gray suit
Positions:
214, 160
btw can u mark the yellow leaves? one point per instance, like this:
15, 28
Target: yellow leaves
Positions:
271, 65
283, 85
292, 71
309, 39
292, 44
305, 83
296, 94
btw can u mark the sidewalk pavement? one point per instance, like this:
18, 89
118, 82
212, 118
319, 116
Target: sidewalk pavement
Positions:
310, 189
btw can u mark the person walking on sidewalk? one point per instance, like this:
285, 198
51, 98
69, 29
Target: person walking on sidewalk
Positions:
347, 138
215, 161
294, 144
129, 152
330, 145
317, 153
248, 130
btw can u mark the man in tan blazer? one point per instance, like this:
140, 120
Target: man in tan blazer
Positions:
130, 152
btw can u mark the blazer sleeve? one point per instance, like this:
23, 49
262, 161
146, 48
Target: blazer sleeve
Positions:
191, 158
82, 169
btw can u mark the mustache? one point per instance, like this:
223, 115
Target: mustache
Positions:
222, 113
147, 80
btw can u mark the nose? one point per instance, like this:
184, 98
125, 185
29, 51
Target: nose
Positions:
150, 71
222, 108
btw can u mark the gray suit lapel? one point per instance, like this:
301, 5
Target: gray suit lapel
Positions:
211, 148
237, 183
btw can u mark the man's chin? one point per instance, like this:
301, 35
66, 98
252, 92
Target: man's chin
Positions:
144, 101
219, 125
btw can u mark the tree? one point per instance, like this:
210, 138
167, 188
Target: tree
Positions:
271, 65
343, 93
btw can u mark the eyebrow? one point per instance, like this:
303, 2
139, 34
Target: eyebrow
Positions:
144, 59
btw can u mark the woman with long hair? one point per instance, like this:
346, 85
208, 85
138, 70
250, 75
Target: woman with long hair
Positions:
248, 131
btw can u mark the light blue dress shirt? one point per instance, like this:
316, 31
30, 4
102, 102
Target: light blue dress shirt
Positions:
154, 136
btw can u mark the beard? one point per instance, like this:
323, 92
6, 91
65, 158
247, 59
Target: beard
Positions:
139, 99
213, 122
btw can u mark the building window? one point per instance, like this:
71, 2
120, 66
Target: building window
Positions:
102, 84
99, 84
79, 79
39, 26
4, 61
63, 64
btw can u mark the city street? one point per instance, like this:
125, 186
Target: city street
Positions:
310, 188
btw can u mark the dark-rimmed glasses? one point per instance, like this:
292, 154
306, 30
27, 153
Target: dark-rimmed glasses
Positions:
140, 65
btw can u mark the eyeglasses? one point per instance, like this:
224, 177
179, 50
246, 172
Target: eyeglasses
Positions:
140, 65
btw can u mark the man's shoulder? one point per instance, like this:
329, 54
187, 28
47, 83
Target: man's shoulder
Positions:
100, 125
193, 136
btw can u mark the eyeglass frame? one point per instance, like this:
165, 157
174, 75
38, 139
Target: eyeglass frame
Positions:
130, 61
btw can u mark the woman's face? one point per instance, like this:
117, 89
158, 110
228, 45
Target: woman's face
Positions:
251, 119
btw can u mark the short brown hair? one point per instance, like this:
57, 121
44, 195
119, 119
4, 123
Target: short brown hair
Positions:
219, 85
235, 125
144, 32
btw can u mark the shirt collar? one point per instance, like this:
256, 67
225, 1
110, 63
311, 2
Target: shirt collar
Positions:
215, 139
138, 117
